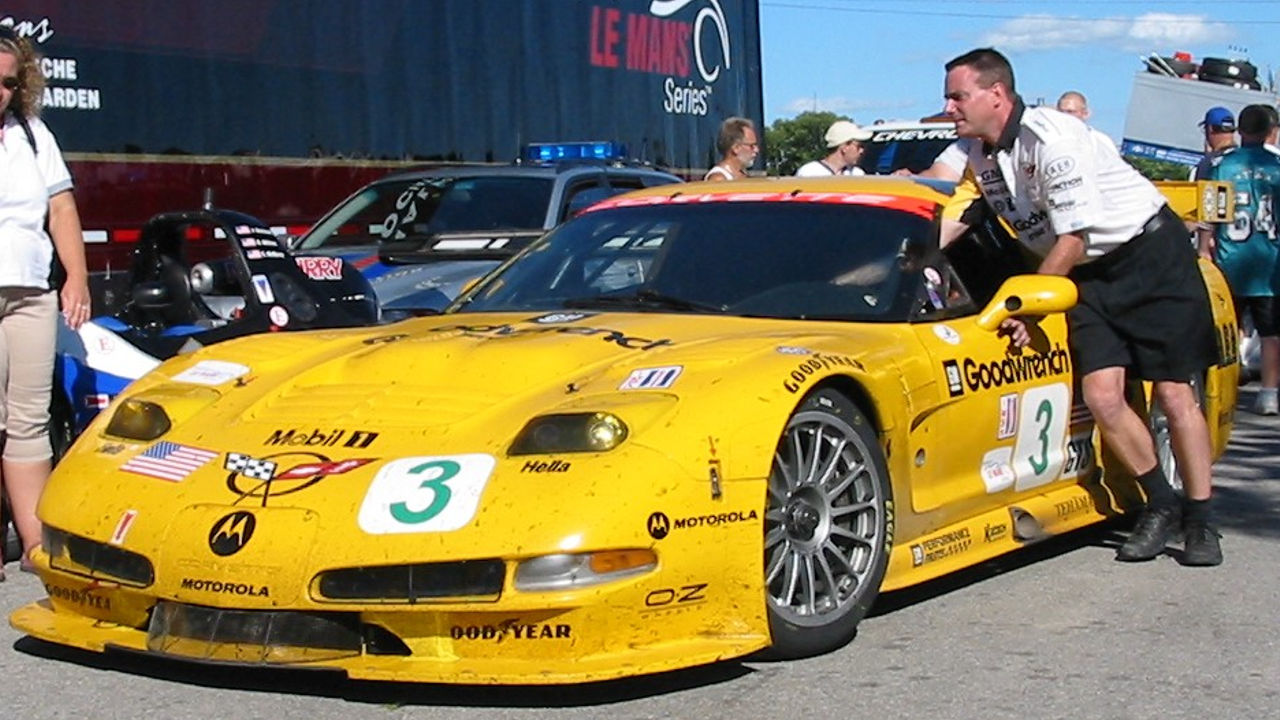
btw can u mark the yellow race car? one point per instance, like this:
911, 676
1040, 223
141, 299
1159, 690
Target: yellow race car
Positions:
693, 423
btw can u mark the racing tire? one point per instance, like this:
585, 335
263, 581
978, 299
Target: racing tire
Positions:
828, 527
1160, 433
1242, 70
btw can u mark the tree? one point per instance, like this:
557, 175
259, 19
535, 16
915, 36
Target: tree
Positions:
792, 143
1158, 169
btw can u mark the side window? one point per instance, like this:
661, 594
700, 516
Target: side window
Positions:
584, 195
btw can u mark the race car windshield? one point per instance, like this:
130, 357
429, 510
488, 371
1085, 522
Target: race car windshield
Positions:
403, 209
767, 259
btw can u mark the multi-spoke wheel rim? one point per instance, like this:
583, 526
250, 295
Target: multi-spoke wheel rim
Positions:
824, 521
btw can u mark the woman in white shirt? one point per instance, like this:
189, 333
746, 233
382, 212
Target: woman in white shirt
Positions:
34, 186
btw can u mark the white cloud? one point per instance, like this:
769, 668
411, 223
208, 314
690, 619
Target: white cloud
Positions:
842, 105
1150, 32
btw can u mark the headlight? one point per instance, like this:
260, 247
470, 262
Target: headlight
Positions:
576, 432
139, 420
560, 572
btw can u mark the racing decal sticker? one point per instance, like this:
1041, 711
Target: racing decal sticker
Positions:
997, 469
947, 334
1008, 416
1072, 507
544, 466
211, 372
995, 531
1080, 460
251, 477
670, 598
816, 363
955, 386
792, 350
1038, 453
320, 268
86, 598
264, 254
249, 467
607, 335
512, 629
232, 532
168, 461
1015, 369
97, 401
225, 588
942, 546
250, 231
278, 315
262, 288
652, 378
560, 318
425, 494
295, 437
122, 526
660, 524
385, 339
113, 448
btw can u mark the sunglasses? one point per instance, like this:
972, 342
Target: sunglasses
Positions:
11, 83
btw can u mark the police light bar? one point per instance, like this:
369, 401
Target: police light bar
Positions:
598, 150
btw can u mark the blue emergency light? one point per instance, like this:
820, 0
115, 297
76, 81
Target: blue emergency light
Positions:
594, 150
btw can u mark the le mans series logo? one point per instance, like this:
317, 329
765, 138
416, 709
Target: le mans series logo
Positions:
685, 40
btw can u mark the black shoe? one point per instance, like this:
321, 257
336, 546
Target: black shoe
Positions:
1202, 547
1150, 534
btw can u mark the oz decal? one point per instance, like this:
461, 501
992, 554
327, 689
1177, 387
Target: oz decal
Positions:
425, 494
1038, 451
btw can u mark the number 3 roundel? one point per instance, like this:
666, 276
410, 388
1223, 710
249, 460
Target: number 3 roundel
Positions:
425, 494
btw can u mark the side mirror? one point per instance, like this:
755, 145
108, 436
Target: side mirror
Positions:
1028, 295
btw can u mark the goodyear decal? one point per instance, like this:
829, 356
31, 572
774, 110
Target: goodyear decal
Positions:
512, 629
815, 364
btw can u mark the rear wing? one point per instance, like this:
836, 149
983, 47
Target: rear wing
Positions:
1207, 201
476, 245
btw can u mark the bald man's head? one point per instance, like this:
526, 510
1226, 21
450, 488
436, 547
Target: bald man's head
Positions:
1073, 103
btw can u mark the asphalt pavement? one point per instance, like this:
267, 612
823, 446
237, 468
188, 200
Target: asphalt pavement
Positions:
1059, 630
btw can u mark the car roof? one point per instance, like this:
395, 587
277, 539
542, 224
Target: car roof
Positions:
560, 170
782, 189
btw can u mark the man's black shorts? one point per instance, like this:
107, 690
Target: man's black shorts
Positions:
1144, 306
1263, 310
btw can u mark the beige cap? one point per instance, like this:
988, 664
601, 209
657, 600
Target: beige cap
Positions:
842, 131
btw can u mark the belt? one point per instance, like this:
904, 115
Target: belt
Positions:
1163, 218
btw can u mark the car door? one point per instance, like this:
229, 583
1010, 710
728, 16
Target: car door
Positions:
1000, 425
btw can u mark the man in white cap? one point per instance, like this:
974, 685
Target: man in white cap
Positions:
845, 141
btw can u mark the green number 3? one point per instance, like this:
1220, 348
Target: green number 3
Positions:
440, 492
1043, 413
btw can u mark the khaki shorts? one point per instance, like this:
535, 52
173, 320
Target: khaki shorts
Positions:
28, 327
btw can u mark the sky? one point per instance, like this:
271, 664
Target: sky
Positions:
884, 59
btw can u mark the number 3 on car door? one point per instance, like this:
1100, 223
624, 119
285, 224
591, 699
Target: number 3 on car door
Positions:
1038, 451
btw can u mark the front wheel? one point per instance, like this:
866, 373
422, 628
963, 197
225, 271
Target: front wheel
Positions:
828, 526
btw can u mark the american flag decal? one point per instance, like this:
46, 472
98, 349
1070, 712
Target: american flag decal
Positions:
169, 461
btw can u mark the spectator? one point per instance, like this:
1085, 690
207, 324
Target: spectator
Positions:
36, 196
1245, 249
1074, 103
1219, 136
738, 148
844, 140
1143, 311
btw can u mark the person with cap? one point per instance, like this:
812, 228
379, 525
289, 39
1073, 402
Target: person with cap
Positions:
1245, 249
1219, 136
1143, 310
37, 216
844, 140
738, 148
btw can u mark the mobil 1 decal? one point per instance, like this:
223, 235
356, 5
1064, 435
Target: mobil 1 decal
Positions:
1039, 448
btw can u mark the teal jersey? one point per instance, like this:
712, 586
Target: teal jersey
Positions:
1246, 249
